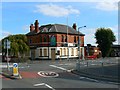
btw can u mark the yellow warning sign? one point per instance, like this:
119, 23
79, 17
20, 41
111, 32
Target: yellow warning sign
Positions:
15, 69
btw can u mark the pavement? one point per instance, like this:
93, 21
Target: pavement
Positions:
9, 74
105, 73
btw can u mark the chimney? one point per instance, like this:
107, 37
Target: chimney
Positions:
36, 26
74, 26
32, 28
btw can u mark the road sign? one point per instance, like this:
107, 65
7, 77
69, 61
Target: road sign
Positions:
7, 44
15, 69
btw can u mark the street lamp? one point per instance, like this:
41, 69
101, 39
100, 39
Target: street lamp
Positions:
79, 40
78, 63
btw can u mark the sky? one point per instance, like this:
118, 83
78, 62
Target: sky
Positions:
16, 17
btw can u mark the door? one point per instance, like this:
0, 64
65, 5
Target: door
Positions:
33, 54
53, 55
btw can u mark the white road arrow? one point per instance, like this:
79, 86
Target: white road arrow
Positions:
44, 84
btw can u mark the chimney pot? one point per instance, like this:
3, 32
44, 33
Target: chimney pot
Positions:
32, 28
74, 26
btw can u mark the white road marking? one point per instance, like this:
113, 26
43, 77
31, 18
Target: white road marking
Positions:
49, 86
61, 68
113, 83
82, 77
92, 79
66, 64
40, 84
42, 73
58, 67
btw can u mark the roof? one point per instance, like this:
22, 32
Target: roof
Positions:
116, 46
56, 28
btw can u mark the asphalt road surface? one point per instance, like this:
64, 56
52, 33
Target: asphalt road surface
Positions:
53, 75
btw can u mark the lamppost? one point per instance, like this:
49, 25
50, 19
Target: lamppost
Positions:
78, 62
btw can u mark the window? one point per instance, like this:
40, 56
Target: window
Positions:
40, 38
65, 51
62, 38
66, 38
45, 52
45, 39
40, 52
60, 51
74, 39
72, 52
76, 52
30, 41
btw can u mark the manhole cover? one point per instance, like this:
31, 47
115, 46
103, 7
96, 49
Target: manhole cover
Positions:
48, 74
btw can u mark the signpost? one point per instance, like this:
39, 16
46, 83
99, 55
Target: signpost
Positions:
15, 69
7, 46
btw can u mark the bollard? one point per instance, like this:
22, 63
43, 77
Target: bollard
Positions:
15, 69
60, 60
87, 64
102, 64
102, 68
78, 66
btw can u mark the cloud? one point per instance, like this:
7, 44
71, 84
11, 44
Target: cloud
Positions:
90, 37
4, 34
107, 6
26, 28
115, 30
55, 10
58, 0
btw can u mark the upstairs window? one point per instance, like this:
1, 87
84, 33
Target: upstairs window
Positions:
66, 38
62, 38
75, 39
30, 41
45, 39
40, 38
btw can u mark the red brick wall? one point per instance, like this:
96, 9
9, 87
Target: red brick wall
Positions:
82, 41
36, 39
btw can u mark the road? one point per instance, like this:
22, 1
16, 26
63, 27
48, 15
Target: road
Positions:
36, 75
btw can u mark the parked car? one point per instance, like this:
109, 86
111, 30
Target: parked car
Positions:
92, 57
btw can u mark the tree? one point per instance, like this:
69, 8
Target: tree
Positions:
105, 38
18, 45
